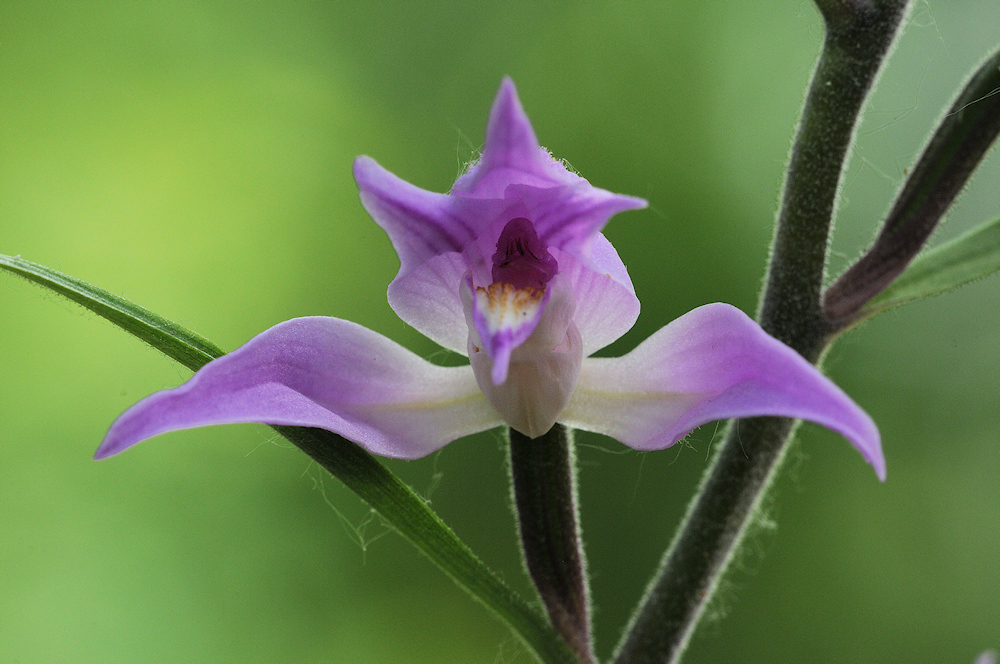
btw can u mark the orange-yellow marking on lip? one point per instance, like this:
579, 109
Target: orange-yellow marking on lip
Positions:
504, 306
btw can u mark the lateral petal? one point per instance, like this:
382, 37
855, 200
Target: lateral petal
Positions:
568, 217
606, 304
712, 363
428, 298
326, 373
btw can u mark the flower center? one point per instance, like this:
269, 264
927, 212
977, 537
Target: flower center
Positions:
524, 347
521, 259
506, 306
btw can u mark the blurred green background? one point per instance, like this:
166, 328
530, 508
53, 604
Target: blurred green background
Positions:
195, 157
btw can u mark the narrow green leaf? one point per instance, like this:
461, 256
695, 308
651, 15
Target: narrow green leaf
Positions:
361, 472
414, 520
166, 336
967, 258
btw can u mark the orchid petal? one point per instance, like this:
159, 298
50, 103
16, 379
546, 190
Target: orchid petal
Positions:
606, 304
712, 363
420, 224
511, 153
568, 217
427, 298
326, 373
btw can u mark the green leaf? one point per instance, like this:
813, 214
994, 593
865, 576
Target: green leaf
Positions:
413, 519
967, 258
361, 472
166, 336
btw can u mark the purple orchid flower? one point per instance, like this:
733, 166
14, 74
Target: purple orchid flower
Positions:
510, 268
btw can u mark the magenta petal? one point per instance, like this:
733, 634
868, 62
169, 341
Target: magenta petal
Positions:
511, 154
712, 363
421, 224
326, 373
568, 217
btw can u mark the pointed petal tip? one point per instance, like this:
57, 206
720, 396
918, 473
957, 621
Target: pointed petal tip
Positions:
636, 203
864, 436
878, 463
507, 103
510, 138
110, 447
363, 168
507, 92
711, 364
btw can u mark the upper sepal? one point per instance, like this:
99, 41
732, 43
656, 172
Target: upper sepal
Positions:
511, 154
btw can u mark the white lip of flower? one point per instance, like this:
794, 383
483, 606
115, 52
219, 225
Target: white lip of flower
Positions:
543, 370
505, 306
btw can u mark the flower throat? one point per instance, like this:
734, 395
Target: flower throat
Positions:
521, 259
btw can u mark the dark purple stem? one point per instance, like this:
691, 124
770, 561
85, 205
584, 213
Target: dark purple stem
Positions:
946, 164
859, 36
543, 474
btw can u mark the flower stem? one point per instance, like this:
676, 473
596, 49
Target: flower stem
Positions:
859, 36
951, 156
543, 474
414, 520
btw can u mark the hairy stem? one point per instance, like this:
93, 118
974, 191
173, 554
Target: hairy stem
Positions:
543, 474
948, 161
859, 36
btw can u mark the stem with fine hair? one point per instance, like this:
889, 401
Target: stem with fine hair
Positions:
543, 478
859, 36
951, 156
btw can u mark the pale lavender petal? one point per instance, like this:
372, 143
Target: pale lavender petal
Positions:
606, 304
326, 373
988, 657
427, 298
712, 363
421, 224
511, 154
